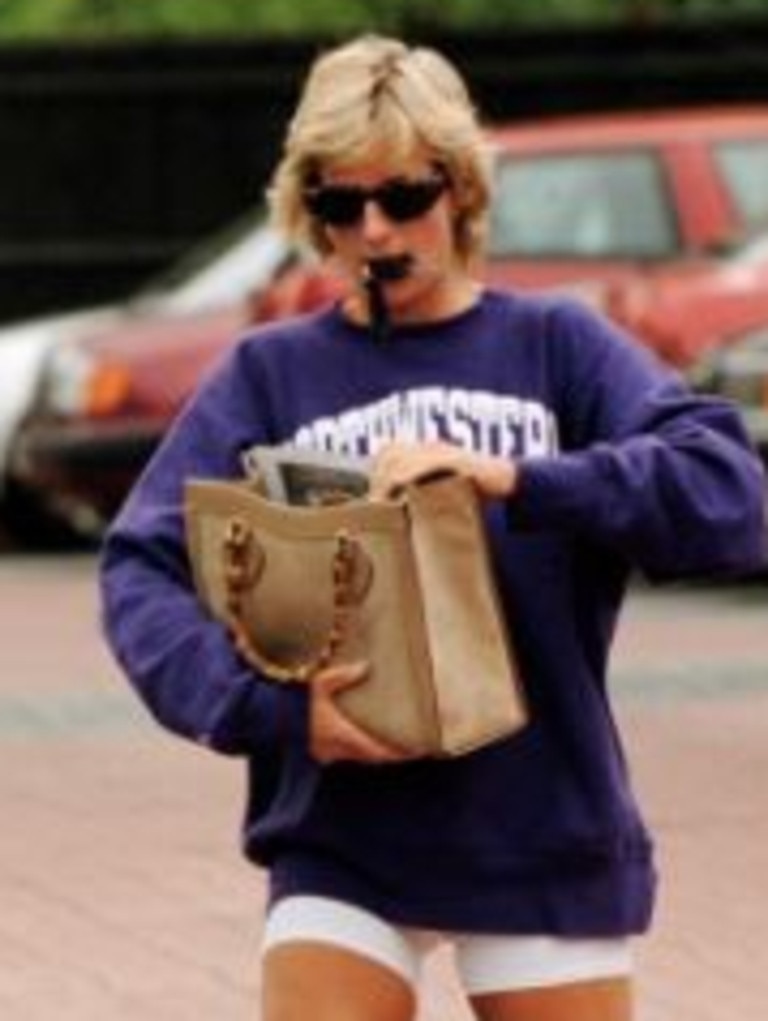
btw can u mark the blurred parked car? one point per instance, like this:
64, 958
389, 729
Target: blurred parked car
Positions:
649, 216
688, 310
739, 371
598, 206
23, 348
208, 292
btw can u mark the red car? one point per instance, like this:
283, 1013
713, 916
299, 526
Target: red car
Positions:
685, 312
623, 210
647, 216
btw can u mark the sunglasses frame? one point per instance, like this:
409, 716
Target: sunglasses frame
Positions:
400, 199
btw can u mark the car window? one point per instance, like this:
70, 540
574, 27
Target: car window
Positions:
583, 206
744, 166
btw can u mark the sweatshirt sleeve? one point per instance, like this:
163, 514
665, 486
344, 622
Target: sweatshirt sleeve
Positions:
179, 660
664, 476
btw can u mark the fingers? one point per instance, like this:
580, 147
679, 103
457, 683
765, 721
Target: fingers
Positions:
399, 464
333, 736
351, 743
340, 677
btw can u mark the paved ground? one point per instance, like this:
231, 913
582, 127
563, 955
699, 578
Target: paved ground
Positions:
122, 895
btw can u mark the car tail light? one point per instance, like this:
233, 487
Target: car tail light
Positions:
106, 390
75, 384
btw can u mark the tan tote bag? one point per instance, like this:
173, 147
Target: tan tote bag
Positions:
404, 584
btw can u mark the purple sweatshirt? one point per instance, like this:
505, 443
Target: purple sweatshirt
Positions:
621, 467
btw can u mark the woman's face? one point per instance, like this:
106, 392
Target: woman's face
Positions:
436, 285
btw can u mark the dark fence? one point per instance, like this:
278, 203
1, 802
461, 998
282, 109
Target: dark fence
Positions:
115, 158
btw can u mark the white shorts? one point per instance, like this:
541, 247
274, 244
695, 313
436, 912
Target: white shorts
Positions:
485, 964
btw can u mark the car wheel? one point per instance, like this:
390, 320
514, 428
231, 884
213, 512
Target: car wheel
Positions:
25, 524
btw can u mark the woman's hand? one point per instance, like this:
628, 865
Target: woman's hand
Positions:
398, 464
333, 737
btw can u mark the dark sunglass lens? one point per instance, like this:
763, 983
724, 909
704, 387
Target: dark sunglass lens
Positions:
406, 200
343, 205
337, 206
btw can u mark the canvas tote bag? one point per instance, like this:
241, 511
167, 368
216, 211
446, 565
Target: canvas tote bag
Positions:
405, 584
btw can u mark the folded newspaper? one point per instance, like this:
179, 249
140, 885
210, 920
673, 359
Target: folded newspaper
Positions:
311, 478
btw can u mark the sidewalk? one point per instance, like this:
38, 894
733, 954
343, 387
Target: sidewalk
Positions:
123, 893
695, 708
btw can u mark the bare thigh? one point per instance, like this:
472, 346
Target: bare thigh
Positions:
598, 1000
303, 980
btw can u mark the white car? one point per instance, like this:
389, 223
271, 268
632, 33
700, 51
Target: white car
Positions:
224, 272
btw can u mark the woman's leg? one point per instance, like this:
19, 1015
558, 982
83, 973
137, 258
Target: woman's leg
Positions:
331, 961
327, 983
608, 999
542, 978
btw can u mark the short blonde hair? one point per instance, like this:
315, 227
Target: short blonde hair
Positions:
377, 92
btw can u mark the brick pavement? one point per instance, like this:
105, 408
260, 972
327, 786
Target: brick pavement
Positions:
122, 892
695, 715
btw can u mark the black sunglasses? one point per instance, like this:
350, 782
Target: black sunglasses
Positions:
400, 199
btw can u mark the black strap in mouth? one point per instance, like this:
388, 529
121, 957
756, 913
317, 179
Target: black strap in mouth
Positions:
378, 271
387, 268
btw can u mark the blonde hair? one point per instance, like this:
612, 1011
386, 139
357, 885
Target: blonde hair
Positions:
377, 93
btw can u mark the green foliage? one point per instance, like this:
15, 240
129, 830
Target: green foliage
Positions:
116, 18
45, 19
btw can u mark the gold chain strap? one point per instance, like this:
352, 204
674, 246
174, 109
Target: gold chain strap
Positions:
239, 577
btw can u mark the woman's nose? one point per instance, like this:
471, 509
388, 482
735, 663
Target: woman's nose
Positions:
375, 222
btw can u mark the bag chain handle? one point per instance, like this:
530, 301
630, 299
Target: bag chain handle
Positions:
237, 553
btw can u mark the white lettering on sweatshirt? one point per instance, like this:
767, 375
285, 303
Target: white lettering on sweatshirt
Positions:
474, 419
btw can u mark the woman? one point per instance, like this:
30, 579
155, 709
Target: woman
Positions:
529, 856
